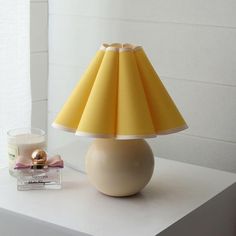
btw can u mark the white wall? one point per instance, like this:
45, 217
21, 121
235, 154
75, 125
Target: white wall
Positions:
39, 61
190, 43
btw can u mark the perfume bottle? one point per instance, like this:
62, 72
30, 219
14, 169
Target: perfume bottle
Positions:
40, 172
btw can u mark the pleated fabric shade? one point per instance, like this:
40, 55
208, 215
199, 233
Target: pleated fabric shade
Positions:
120, 96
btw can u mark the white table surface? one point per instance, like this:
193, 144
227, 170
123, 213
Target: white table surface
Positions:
175, 190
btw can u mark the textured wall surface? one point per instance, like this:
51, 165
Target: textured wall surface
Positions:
15, 97
190, 43
39, 61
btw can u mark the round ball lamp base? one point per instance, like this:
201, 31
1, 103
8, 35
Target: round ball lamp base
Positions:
119, 167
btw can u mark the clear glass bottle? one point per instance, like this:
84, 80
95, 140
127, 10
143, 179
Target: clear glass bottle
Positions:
40, 172
33, 178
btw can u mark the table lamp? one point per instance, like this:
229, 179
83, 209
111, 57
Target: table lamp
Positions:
120, 100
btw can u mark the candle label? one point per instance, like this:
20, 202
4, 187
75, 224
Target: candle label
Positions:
13, 152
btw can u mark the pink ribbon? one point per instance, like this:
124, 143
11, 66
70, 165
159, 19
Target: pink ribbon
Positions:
54, 161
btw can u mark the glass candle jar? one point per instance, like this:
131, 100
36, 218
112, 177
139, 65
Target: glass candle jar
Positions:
22, 142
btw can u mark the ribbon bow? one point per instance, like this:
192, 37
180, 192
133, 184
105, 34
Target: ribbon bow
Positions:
23, 162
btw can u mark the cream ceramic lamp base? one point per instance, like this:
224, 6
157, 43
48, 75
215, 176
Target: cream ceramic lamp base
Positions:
119, 167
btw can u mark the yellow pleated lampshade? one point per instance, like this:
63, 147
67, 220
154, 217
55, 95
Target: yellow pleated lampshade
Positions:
121, 96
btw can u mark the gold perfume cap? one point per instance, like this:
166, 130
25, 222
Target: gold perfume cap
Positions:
39, 157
